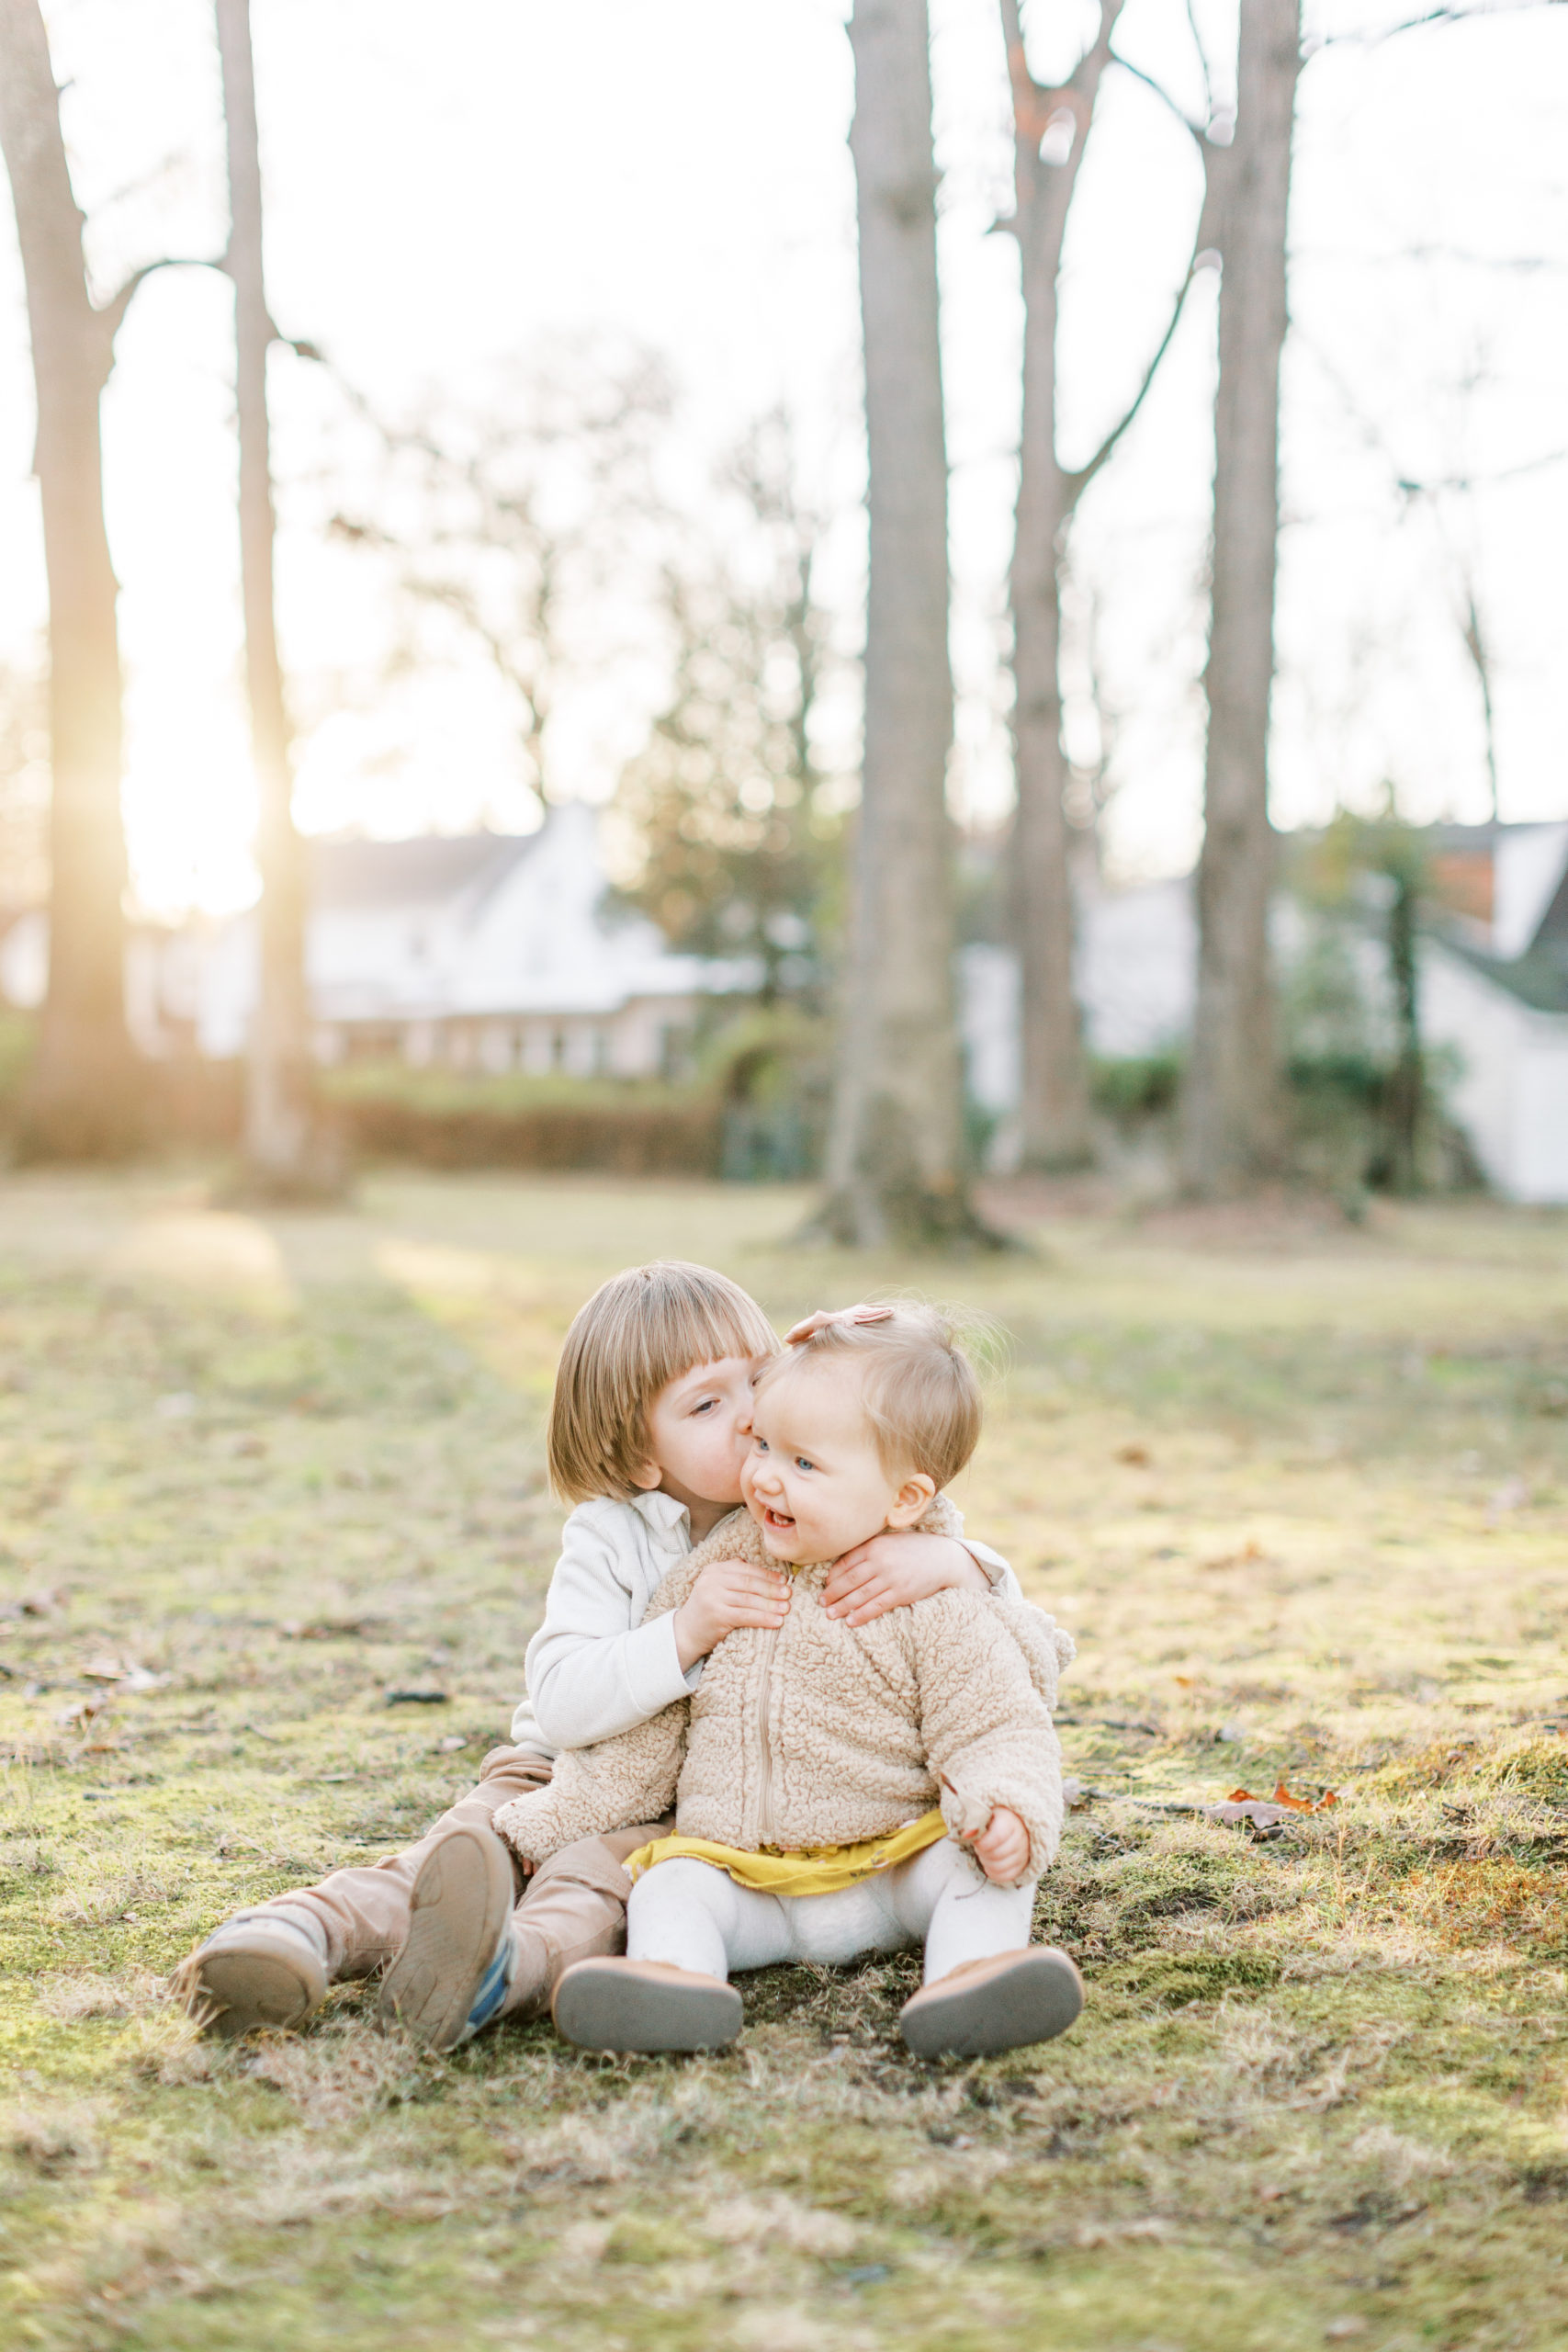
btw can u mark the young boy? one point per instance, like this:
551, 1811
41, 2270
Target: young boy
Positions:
841, 1789
646, 1437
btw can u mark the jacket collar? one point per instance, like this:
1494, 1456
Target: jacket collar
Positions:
664, 1515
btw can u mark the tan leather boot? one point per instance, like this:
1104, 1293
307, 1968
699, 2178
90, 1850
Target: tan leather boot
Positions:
986, 2005
458, 1958
644, 2005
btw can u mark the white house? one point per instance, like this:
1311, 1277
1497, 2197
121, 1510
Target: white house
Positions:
480, 950
1494, 980
1494, 992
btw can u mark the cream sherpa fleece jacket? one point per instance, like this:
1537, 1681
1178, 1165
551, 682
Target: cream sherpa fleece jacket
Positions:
822, 1734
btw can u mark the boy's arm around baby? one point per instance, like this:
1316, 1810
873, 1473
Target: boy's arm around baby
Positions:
988, 1672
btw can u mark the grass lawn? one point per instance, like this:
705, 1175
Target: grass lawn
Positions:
1301, 1490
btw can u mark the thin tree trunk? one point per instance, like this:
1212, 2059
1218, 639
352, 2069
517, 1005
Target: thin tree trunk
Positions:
894, 1162
1230, 1109
280, 1144
1055, 1076
83, 1095
1056, 1131
1406, 1079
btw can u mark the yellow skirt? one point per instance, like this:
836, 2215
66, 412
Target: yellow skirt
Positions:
813, 1870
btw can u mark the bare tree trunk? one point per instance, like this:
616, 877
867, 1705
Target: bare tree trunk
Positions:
1231, 1107
83, 1095
1054, 1091
895, 1161
281, 1147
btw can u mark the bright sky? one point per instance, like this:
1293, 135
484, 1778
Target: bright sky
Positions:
449, 189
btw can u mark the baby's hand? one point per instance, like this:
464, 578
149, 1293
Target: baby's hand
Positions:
727, 1593
1002, 1848
890, 1571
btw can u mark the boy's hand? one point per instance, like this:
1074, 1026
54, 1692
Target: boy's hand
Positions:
727, 1593
1002, 1848
890, 1571
863, 1313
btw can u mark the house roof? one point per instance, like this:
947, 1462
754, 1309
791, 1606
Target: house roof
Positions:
1539, 978
1552, 929
429, 871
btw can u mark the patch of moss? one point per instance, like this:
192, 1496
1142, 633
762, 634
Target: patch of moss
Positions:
1173, 1980
1538, 1769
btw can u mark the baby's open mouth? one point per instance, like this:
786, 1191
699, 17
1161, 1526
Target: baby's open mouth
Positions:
777, 1520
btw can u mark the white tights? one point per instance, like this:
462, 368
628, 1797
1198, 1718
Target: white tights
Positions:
694, 1916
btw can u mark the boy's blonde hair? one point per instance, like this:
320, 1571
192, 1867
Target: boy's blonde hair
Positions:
640, 1330
917, 1387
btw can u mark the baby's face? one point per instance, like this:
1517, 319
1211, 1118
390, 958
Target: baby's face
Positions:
814, 1481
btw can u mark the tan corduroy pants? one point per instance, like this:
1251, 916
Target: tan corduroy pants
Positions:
573, 1907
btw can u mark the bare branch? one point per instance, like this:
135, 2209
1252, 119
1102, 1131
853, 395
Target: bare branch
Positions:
1483, 481
1079, 481
1203, 62
1374, 38
1522, 265
1408, 485
1182, 117
112, 313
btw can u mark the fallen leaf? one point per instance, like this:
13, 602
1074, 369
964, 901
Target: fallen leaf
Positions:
1250, 1554
1285, 1800
1136, 1456
1263, 1823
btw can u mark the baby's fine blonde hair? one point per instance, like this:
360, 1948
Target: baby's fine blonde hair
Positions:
640, 1330
918, 1390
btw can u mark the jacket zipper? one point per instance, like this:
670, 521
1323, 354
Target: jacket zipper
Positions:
765, 1781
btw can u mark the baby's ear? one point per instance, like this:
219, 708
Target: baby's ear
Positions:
912, 1500
647, 1475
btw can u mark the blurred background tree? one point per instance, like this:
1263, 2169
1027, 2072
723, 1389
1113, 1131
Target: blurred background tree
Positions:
730, 828
24, 788
527, 527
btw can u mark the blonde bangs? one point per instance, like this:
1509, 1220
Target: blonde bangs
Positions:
639, 1332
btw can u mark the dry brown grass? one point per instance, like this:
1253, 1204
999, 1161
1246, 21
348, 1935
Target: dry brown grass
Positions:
1302, 1492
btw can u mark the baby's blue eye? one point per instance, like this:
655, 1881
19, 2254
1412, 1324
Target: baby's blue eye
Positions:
801, 1463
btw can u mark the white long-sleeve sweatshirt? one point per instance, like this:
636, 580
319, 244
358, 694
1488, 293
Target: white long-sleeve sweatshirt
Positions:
594, 1667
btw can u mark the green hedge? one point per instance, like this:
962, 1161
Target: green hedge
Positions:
604, 1126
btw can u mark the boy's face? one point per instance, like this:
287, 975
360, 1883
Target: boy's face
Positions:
699, 1429
814, 1481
